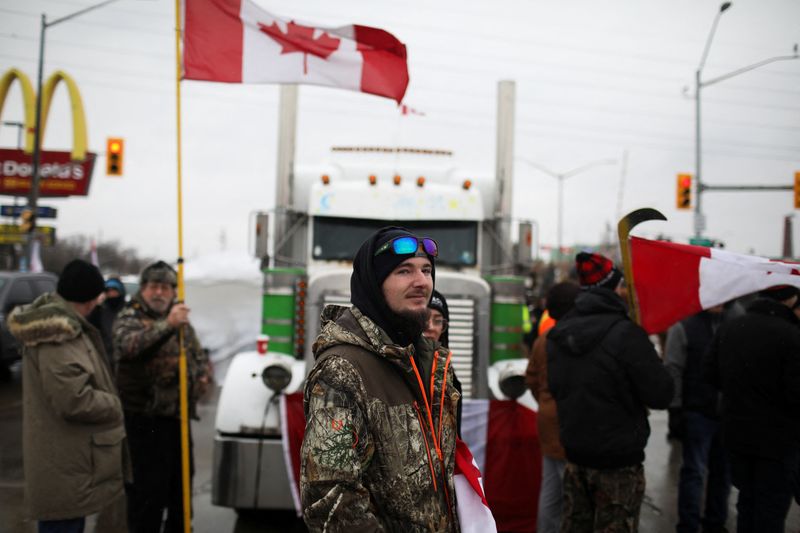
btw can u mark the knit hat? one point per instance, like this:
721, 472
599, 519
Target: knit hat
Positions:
561, 299
779, 293
595, 270
439, 303
116, 284
80, 282
159, 272
385, 262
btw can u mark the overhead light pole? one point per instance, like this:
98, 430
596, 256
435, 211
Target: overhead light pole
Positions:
699, 218
33, 196
561, 176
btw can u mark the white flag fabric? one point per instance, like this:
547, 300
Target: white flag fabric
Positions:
236, 41
673, 281
474, 515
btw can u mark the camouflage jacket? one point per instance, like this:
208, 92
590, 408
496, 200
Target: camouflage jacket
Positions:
146, 351
378, 452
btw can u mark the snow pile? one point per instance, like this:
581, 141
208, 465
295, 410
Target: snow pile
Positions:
222, 266
224, 293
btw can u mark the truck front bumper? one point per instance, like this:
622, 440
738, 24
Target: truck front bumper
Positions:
250, 473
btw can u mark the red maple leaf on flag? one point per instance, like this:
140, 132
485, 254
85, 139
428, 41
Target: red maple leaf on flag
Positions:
299, 38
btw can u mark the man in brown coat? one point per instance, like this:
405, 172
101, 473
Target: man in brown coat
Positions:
560, 299
73, 432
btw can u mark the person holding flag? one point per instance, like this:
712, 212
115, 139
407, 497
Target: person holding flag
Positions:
604, 375
146, 343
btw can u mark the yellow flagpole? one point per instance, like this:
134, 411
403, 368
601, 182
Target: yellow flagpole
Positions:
184, 400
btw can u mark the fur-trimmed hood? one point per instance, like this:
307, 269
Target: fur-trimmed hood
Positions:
48, 319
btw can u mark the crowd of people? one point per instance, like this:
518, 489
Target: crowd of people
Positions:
383, 403
101, 421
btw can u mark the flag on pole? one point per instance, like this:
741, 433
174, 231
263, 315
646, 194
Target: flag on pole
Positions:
673, 281
235, 41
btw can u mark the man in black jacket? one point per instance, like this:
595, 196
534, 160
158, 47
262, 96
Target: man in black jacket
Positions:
755, 361
705, 458
604, 373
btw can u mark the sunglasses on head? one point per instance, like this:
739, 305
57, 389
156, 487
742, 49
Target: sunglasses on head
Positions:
409, 245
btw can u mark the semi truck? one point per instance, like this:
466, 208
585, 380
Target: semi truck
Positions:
306, 245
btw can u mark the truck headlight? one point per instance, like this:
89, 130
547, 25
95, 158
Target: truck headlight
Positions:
276, 377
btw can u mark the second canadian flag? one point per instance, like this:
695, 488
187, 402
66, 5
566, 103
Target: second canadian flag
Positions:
235, 41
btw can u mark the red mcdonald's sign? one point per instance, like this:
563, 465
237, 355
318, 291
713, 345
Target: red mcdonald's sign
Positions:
62, 173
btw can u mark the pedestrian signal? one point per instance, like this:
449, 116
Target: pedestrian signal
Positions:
27, 219
684, 196
797, 190
115, 150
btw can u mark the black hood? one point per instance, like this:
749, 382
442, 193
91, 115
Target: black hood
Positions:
583, 328
366, 291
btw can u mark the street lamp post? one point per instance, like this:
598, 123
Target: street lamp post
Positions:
33, 196
699, 218
561, 177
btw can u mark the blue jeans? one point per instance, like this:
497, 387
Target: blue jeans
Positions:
551, 495
703, 452
71, 525
766, 487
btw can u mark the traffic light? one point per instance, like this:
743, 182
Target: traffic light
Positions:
115, 151
797, 190
26, 220
683, 199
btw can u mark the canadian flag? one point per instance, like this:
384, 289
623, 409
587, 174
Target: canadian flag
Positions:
673, 281
474, 515
504, 442
236, 41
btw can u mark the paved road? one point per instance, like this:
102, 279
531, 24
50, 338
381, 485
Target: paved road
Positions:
658, 512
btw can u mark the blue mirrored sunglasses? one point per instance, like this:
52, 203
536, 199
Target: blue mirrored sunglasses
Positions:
409, 245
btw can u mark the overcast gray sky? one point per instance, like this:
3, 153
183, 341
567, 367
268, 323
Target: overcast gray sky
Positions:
594, 79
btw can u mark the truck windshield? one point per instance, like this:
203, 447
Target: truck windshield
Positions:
339, 238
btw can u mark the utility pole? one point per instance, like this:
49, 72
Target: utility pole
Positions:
33, 196
699, 217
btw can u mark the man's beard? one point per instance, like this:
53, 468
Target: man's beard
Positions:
159, 305
412, 322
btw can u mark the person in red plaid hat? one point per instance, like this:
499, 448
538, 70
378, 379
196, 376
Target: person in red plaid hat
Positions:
604, 374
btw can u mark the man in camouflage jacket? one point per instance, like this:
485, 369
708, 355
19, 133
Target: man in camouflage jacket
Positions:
378, 452
146, 344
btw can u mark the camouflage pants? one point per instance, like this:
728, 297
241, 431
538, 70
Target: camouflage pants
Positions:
606, 501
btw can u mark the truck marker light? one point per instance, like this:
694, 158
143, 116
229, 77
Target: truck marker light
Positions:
326, 179
421, 181
372, 179
467, 184
397, 179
